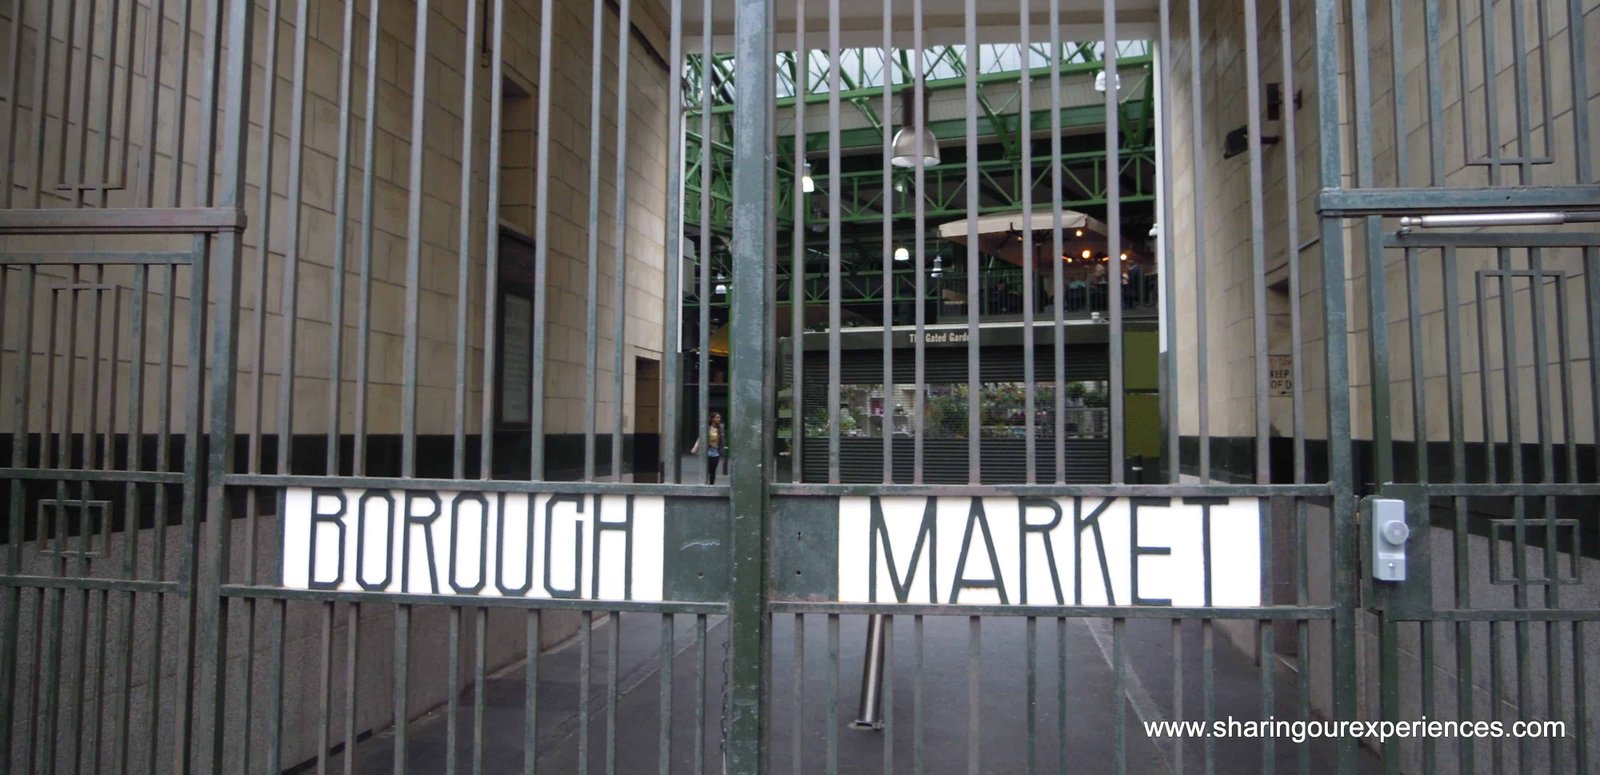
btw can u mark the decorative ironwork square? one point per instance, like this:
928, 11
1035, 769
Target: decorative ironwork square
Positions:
69, 528
1504, 530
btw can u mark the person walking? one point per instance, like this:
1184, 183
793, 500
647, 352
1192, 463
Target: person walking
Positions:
716, 447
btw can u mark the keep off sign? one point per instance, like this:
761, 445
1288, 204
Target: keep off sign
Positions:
438, 542
1050, 551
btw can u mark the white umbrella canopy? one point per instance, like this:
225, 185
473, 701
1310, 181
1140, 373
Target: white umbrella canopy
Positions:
1001, 234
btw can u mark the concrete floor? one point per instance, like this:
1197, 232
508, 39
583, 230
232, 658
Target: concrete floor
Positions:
804, 736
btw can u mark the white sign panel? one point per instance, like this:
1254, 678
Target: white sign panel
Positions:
1280, 375
438, 542
1050, 551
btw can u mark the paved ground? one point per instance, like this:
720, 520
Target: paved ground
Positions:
803, 743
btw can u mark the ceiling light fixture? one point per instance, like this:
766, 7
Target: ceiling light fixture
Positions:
901, 254
807, 185
904, 149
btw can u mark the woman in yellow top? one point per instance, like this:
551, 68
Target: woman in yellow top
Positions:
716, 447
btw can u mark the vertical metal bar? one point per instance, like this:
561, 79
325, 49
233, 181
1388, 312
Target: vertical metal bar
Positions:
1267, 659
1291, 198
1119, 716
10, 646
1389, 686
541, 221
163, 463
1377, 290
1578, 54
591, 358
130, 566
1486, 397
76, 723
113, 26
224, 190
402, 669
97, 699
1031, 268
836, 183
121, 180
480, 685
1419, 377
1208, 688
41, 94
672, 330
751, 407
1198, 194
1402, 171
352, 648
664, 667
70, 64
797, 734
1429, 754
1258, 248
1564, 359
831, 730
469, 110
1519, 80
1336, 354
80, 160
585, 679
358, 465
1433, 50
1061, 638
341, 204
274, 683
703, 254
1058, 334
974, 688
155, 22
13, 109
700, 696
258, 328
1031, 644
1168, 363
491, 242
1491, 91
614, 652
325, 688
1449, 280
1113, 189
891, 283
1177, 688
530, 679
619, 278
56, 628
289, 291
888, 682
919, 173
974, 383
918, 670
797, 259
413, 297
180, 102
1580, 688
1495, 698
452, 700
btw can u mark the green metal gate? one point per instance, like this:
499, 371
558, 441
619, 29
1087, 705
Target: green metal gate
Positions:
328, 325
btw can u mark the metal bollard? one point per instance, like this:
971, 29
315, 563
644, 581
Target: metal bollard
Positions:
869, 716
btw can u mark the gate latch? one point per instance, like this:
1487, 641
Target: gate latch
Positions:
1389, 534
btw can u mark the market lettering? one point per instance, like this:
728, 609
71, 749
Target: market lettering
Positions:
467, 543
1034, 551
